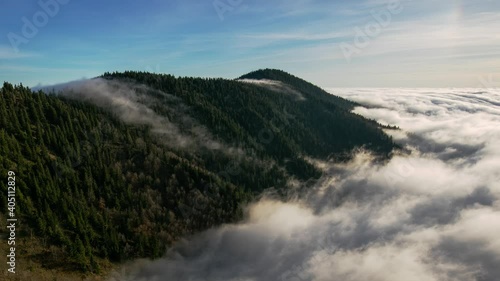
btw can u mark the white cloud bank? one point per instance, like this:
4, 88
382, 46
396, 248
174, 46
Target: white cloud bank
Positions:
433, 215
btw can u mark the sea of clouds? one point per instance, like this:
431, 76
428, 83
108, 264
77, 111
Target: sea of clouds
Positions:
433, 214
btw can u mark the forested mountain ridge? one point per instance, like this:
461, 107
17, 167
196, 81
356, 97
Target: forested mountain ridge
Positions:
321, 125
94, 186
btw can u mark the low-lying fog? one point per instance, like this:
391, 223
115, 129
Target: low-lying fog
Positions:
432, 215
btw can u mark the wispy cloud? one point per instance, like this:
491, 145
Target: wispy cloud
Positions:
8, 53
187, 38
132, 104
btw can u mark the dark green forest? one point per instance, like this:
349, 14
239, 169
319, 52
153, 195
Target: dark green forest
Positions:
98, 188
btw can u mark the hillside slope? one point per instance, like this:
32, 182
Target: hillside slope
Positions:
97, 184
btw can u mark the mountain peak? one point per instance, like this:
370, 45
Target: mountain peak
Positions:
307, 89
268, 73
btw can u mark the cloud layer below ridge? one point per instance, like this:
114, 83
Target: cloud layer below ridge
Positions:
431, 215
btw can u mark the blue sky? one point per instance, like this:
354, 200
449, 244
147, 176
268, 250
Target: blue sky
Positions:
426, 43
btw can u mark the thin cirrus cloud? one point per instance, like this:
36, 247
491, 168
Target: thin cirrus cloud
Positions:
193, 38
8, 53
